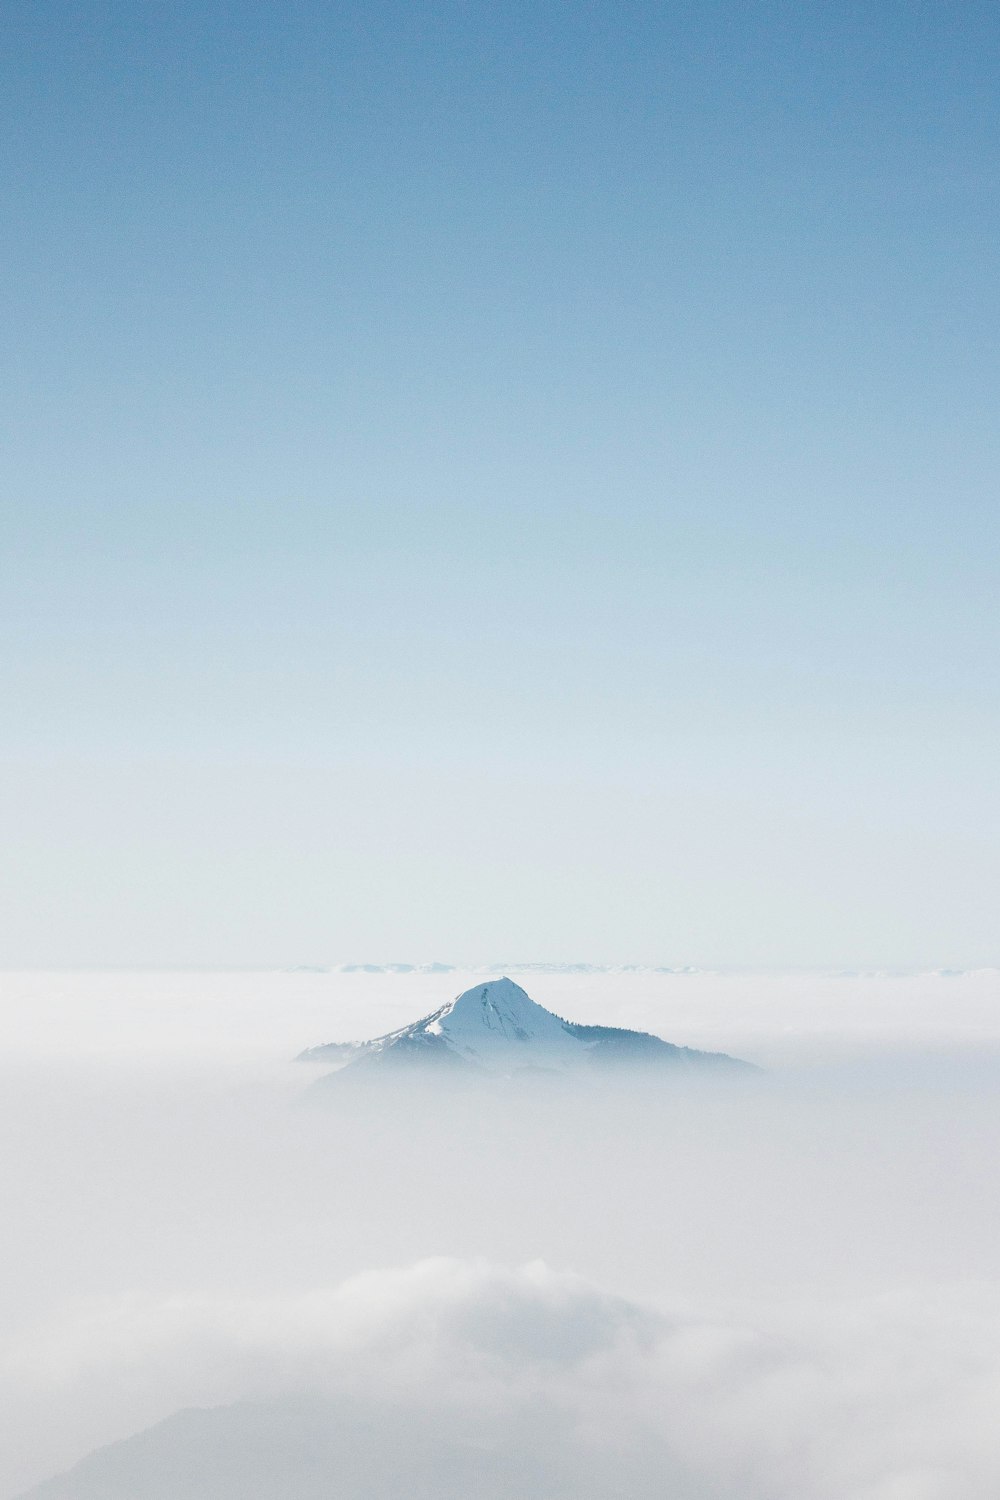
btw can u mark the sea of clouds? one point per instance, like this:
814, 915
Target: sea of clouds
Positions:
784, 1289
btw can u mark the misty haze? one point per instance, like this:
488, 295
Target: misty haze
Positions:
778, 1282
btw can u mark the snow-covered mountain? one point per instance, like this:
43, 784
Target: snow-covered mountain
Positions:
497, 1028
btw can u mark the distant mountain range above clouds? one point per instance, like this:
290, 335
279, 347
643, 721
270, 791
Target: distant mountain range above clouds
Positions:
827, 971
526, 968
496, 1028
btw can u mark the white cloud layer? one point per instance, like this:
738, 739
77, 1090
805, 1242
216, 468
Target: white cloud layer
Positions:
781, 1292
889, 1398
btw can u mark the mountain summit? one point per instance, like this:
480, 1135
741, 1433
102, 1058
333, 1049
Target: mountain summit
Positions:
497, 1028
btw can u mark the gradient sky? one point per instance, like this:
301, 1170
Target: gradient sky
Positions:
500, 481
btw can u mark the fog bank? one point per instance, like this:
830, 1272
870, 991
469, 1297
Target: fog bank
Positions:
790, 1280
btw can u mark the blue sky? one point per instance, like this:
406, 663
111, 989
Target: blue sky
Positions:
500, 481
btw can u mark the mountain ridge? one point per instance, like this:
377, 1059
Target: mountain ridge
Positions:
495, 1027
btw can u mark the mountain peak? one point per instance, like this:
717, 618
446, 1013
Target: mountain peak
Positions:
499, 1004
497, 1018
497, 1028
